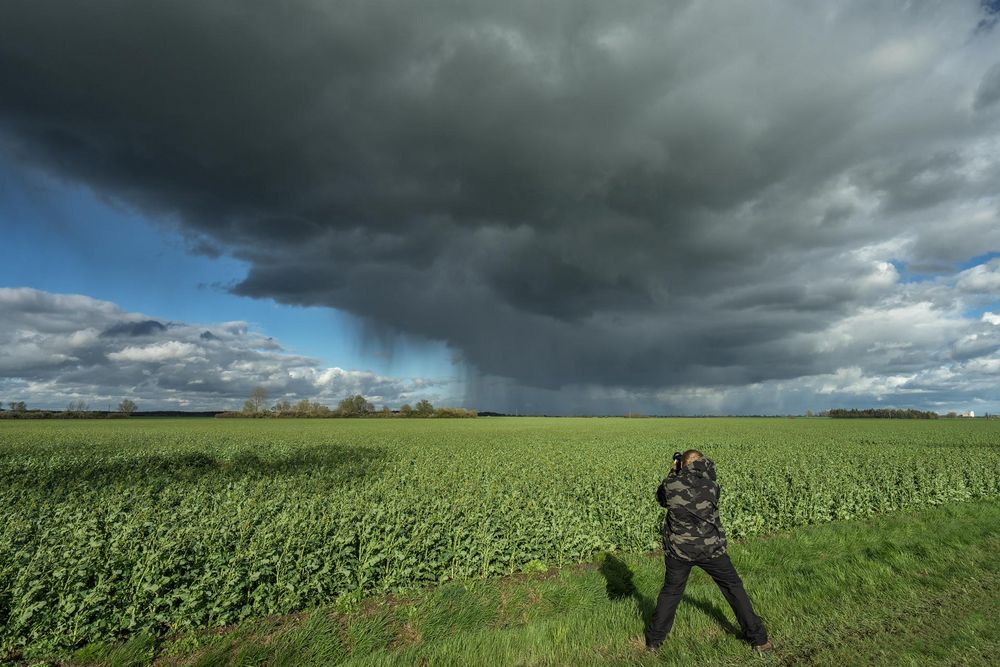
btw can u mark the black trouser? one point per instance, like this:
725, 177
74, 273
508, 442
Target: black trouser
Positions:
724, 574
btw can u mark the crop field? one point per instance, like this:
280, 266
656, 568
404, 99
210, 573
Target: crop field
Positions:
115, 527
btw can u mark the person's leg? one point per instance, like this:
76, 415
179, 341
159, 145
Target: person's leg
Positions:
724, 574
674, 582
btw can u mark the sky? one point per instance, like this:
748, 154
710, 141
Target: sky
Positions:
565, 207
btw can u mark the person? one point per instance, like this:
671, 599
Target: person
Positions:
693, 535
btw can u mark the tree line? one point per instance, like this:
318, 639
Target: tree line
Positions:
356, 405
75, 410
881, 413
255, 406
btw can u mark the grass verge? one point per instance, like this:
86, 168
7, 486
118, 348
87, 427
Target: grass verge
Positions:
915, 588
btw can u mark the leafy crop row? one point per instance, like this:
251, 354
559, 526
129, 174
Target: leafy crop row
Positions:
110, 528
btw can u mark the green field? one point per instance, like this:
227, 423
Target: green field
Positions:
156, 528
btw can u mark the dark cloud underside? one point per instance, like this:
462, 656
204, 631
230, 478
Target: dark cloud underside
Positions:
641, 195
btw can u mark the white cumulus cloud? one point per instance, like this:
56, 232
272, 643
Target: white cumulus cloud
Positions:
60, 347
170, 349
981, 278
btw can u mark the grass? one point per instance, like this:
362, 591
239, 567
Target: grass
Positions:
113, 528
916, 588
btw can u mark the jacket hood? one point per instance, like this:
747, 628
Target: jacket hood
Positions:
703, 467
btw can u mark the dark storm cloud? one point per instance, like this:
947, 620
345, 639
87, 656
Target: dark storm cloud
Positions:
143, 328
989, 89
635, 195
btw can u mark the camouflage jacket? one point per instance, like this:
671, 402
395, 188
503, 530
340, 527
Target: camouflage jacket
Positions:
692, 529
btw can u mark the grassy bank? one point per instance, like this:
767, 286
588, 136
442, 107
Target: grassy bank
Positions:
911, 588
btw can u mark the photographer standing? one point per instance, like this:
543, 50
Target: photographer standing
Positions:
693, 535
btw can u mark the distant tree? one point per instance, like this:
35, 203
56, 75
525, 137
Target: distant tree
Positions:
317, 409
77, 407
809, 413
303, 408
258, 398
424, 408
406, 410
17, 406
127, 407
354, 406
456, 412
282, 407
385, 411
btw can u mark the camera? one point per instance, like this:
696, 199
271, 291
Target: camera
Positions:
677, 460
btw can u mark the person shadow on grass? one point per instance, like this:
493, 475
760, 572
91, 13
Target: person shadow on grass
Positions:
619, 585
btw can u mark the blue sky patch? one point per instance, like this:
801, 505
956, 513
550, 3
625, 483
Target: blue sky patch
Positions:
63, 238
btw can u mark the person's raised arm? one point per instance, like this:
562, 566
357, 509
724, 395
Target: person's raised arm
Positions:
661, 494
